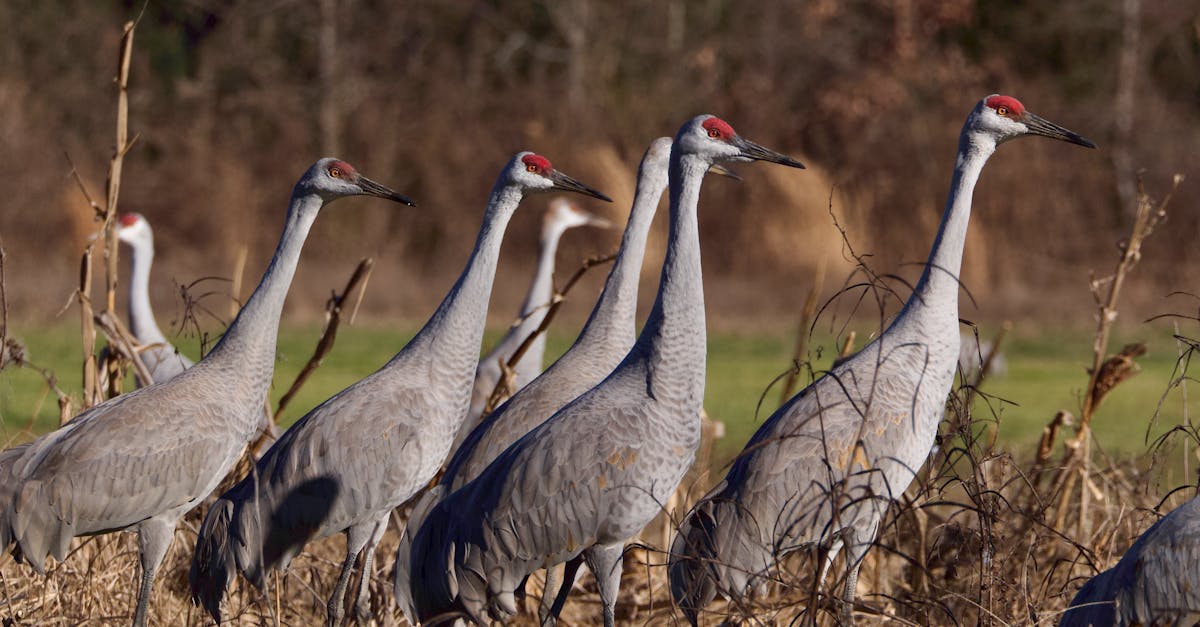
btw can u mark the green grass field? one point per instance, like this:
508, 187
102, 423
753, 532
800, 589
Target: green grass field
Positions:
1046, 372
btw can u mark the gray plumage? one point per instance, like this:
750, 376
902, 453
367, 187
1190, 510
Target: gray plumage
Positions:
346, 464
1156, 582
824, 467
558, 219
143, 459
606, 337
594, 474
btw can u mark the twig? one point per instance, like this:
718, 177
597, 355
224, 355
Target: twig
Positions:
235, 286
503, 387
803, 333
91, 378
123, 343
3, 307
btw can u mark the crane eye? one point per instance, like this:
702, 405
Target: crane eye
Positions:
1002, 110
714, 133
531, 168
335, 172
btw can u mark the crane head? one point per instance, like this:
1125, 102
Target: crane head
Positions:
132, 228
533, 172
562, 215
714, 139
333, 178
1004, 118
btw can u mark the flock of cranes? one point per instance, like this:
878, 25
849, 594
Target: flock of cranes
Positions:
566, 471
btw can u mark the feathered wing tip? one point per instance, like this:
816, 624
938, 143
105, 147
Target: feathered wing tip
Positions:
689, 569
213, 562
9, 480
38, 529
718, 550
402, 583
433, 584
1092, 606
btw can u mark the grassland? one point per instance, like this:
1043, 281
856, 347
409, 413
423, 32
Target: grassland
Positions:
1045, 373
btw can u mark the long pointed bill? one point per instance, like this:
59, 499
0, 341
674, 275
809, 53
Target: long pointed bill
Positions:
751, 150
717, 168
371, 188
1040, 126
566, 183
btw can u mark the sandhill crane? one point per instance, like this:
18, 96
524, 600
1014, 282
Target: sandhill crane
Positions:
594, 474
606, 337
822, 469
144, 459
1154, 583
346, 464
161, 359
559, 217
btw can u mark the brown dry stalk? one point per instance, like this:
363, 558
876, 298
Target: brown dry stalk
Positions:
91, 377
1076, 465
802, 333
503, 387
848, 345
3, 305
115, 165
235, 284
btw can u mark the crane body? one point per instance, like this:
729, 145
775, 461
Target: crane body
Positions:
822, 470
346, 464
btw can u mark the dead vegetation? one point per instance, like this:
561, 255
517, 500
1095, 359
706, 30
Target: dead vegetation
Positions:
986, 536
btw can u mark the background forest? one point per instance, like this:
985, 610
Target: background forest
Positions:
231, 100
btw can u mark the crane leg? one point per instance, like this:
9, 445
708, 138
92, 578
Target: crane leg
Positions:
154, 538
551, 608
857, 543
605, 563
362, 606
830, 555
356, 537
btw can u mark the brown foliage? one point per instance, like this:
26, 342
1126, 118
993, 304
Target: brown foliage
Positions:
231, 100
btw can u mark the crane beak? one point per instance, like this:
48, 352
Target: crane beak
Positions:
754, 152
1040, 126
566, 183
371, 188
717, 168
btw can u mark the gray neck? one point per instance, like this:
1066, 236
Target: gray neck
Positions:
455, 331
613, 319
248, 345
937, 291
141, 316
674, 338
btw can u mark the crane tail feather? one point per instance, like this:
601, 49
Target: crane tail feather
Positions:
213, 562
692, 579
402, 581
37, 528
715, 552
